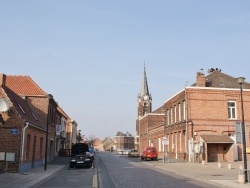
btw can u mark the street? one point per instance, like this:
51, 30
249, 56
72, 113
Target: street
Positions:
120, 171
68, 177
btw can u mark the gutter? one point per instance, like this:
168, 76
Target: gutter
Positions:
24, 129
22, 148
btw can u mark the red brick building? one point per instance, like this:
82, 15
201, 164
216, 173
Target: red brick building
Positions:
23, 127
123, 141
198, 123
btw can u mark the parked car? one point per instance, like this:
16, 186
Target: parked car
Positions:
79, 157
79, 149
133, 153
149, 153
80, 161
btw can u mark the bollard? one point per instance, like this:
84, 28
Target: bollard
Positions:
241, 178
229, 166
203, 162
219, 165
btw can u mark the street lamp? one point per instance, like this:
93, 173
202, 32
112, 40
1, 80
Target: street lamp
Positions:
240, 80
47, 132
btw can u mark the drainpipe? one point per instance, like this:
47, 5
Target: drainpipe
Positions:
22, 155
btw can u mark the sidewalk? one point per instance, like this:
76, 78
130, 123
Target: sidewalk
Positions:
209, 172
33, 176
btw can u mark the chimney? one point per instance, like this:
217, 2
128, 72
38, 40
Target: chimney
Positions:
200, 80
2, 79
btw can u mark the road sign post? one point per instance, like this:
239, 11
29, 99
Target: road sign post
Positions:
164, 143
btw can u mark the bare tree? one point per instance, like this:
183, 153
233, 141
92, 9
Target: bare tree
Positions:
90, 140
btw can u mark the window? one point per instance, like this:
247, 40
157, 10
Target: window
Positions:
41, 147
28, 147
171, 115
231, 109
175, 113
179, 109
168, 116
184, 110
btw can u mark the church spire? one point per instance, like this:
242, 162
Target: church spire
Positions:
144, 100
144, 86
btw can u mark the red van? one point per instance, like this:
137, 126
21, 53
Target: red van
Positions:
149, 153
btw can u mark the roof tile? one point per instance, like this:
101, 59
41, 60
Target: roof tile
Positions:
23, 85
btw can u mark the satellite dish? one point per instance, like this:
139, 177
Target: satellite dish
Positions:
4, 105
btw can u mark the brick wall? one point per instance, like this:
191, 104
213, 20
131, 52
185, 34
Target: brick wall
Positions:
207, 113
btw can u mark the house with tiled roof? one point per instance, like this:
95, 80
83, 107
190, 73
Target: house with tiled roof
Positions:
32, 117
68, 131
199, 122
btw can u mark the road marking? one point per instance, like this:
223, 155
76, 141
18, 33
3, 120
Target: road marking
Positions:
95, 184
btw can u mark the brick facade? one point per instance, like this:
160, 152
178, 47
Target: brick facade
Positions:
200, 109
23, 127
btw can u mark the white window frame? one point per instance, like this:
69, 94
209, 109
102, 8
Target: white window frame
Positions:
171, 115
230, 110
179, 109
168, 116
175, 113
184, 110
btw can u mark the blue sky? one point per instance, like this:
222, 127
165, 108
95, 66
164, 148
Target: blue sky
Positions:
90, 54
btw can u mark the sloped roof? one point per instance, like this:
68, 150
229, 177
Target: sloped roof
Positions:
221, 80
119, 133
24, 86
217, 139
127, 134
24, 109
62, 112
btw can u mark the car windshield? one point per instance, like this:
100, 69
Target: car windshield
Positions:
134, 150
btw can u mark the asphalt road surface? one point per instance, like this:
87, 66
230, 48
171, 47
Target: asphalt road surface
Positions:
123, 172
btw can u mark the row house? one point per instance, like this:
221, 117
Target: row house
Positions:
31, 117
123, 141
107, 144
199, 122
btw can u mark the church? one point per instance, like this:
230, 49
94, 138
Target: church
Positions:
198, 123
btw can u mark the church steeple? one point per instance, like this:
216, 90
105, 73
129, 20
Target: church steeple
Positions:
144, 99
144, 86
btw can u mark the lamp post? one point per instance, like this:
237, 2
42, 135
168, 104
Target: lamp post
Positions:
47, 132
240, 80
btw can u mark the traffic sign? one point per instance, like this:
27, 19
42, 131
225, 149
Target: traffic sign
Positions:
165, 142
